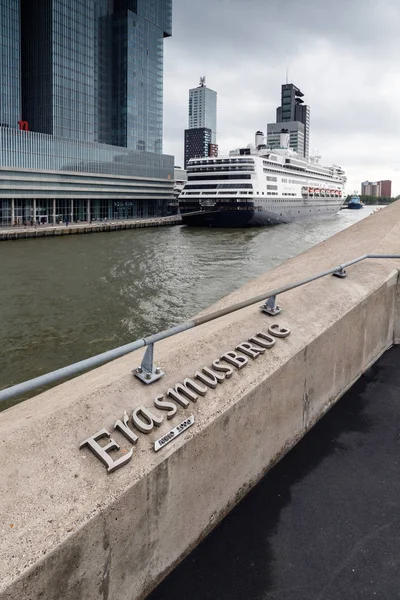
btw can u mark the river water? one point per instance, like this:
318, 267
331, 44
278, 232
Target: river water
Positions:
64, 299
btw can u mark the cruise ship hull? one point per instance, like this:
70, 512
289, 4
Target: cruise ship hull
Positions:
254, 217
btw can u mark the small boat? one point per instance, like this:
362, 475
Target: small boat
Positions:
355, 203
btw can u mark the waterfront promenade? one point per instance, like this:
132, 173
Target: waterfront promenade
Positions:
36, 231
87, 533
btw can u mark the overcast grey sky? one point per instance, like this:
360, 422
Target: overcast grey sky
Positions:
343, 54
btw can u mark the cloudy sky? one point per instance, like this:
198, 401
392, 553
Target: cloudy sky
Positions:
343, 54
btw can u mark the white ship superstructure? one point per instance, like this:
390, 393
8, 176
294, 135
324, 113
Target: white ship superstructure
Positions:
260, 187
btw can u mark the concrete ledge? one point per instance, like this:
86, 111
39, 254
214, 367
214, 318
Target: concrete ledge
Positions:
72, 532
49, 231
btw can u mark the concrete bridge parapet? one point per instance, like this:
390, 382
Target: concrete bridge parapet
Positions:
71, 530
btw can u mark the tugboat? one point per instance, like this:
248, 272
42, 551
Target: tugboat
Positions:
355, 203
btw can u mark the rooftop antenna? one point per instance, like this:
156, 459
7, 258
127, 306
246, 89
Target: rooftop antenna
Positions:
203, 81
287, 75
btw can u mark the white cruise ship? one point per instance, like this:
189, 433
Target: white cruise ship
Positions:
258, 186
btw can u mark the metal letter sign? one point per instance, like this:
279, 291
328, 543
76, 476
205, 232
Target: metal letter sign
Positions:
185, 394
171, 435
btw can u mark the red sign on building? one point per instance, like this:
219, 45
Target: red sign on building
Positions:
23, 125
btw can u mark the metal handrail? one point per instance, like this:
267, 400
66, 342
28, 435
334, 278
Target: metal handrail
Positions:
151, 375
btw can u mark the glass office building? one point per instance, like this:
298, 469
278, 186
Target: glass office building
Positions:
9, 63
293, 110
203, 109
201, 136
197, 143
81, 99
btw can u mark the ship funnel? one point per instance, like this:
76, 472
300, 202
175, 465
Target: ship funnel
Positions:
285, 138
260, 137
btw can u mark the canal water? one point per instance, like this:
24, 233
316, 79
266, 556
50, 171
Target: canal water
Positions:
65, 299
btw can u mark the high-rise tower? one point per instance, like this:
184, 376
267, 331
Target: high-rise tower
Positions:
10, 63
294, 116
203, 108
93, 70
82, 92
201, 136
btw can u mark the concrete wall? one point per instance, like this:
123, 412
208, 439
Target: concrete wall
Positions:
71, 531
78, 228
396, 333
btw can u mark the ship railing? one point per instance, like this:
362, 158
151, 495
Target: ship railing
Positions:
147, 372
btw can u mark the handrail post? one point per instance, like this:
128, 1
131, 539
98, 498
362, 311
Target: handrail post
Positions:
341, 272
270, 307
147, 372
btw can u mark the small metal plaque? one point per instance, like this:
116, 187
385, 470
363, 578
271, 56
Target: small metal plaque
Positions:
171, 435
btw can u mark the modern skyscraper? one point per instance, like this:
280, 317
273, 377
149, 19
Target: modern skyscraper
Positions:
202, 133
10, 61
81, 92
203, 108
294, 116
197, 143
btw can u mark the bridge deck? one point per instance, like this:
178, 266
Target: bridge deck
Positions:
324, 523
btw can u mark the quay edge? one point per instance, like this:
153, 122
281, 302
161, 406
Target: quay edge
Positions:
75, 228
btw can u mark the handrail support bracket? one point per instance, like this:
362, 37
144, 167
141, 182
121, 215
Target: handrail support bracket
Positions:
147, 372
341, 272
270, 307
